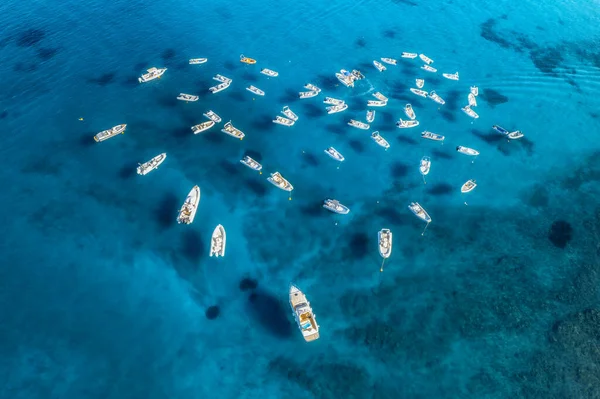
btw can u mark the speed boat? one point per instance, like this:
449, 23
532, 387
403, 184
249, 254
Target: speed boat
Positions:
435, 97
335, 154
389, 61
251, 163
112, 132
196, 61
213, 116
451, 76
247, 60
201, 127
336, 207
472, 100
370, 115
419, 212
380, 140
303, 314
425, 59
153, 73
475, 90
359, 125
467, 151
277, 180
219, 87
420, 83
312, 87
190, 206
336, 108
283, 121
408, 110
218, 241
255, 90
379, 66
187, 97
500, 130
380, 96
402, 124
376, 103
419, 92
409, 55
289, 113
467, 110
432, 136
468, 186
517, 134
222, 79
332, 101
232, 131
384, 238
428, 68
425, 166
308, 94
154, 163
269, 72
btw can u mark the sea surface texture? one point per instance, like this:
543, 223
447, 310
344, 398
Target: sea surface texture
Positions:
104, 296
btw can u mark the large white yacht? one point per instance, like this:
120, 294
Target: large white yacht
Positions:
112, 132
190, 206
303, 314
149, 166
153, 73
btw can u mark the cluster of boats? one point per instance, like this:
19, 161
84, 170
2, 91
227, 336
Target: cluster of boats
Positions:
348, 78
225, 82
288, 119
312, 91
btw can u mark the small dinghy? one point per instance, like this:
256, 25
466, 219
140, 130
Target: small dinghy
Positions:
409, 55
332, 101
289, 113
500, 130
475, 90
408, 110
187, 97
379, 66
334, 109
467, 151
425, 167
376, 103
380, 140
425, 59
312, 87
421, 213
468, 186
269, 72
517, 134
229, 129
358, 124
212, 116
472, 100
283, 121
428, 68
196, 61
380, 96
201, 127
255, 90
435, 97
247, 60
467, 110
218, 241
432, 136
147, 167
336, 207
251, 163
418, 92
219, 87
451, 76
308, 94
420, 83
370, 115
335, 154
402, 124
389, 61
222, 79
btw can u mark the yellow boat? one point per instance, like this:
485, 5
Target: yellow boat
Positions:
247, 60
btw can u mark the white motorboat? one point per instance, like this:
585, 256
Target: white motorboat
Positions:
402, 124
222, 79
358, 124
357, 74
419, 212
312, 87
425, 166
218, 241
380, 140
303, 314
332, 101
112, 132
346, 78
335, 154
451, 76
517, 134
336, 207
153, 73
435, 97
425, 59
420, 83
409, 111
219, 87
467, 151
307, 94
428, 68
468, 186
255, 90
147, 167
475, 90
370, 115
277, 180
409, 55
289, 113
376, 103
380, 96
472, 100
283, 121
467, 110
418, 92
201, 127
432, 136
187, 97
190, 206
229, 129
384, 238
389, 61
212, 116
336, 108
269, 72
196, 61
379, 66
251, 163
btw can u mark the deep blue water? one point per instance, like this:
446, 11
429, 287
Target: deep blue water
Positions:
103, 295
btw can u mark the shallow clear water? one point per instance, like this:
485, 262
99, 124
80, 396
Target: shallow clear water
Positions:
103, 295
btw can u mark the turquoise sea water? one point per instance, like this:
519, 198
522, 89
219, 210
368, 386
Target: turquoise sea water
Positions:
103, 295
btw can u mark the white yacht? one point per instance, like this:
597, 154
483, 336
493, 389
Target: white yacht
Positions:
190, 206
467, 110
283, 121
332, 101
432, 136
201, 127
472, 100
428, 68
222, 79
402, 124
475, 90
187, 97
213, 116
112, 132
389, 61
251, 163
379, 66
153, 73
380, 96
335, 154
376, 103
269, 72
218, 242
410, 112
451, 76
435, 97
419, 212
467, 151
409, 55
380, 140
308, 94
468, 186
196, 61
277, 180
370, 115
255, 90
425, 166
345, 78
147, 167
517, 134
336, 108
420, 83
289, 113
336, 207
359, 125
425, 59
232, 131
384, 237
303, 314
312, 87
419, 92
219, 87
